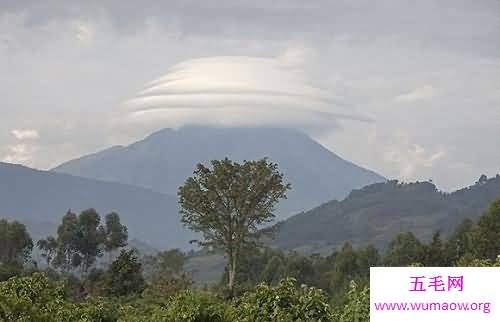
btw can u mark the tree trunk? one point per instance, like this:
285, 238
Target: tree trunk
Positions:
230, 284
232, 273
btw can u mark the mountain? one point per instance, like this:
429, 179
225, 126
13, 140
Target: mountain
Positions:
375, 213
163, 160
40, 199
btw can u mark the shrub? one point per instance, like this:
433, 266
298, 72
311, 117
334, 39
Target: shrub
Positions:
357, 308
35, 298
468, 261
284, 303
32, 298
192, 306
164, 287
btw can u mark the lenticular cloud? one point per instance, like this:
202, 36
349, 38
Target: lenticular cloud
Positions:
234, 91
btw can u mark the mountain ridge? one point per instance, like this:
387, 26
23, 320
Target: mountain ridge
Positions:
377, 212
165, 158
38, 197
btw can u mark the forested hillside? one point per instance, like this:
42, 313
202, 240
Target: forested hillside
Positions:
376, 212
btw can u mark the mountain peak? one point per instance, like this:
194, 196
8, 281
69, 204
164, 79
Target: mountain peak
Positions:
164, 159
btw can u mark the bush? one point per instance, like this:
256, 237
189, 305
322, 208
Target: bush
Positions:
192, 306
97, 310
284, 303
35, 298
469, 261
162, 288
357, 308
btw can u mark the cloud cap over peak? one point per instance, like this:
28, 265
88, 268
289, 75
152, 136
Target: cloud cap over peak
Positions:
235, 91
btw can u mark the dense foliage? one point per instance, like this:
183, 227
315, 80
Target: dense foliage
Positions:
283, 303
229, 203
37, 299
16, 243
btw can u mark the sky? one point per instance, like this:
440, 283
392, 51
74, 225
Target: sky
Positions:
409, 89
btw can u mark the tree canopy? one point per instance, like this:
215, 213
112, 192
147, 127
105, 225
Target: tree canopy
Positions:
15, 243
229, 202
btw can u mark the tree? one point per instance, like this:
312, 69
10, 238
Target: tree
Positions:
167, 264
460, 242
435, 255
368, 257
48, 248
124, 276
67, 253
80, 240
300, 268
15, 243
345, 269
274, 270
403, 250
487, 236
229, 202
89, 238
116, 234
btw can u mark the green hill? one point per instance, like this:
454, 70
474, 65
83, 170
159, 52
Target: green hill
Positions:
375, 213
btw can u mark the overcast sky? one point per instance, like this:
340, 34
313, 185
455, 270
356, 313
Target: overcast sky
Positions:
410, 89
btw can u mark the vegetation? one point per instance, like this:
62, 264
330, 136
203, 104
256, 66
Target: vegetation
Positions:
115, 234
282, 303
16, 243
82, 239
227, 204
124, 276
376, 213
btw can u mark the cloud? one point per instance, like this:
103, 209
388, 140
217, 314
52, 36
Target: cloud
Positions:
418, 94
20, 153
84, 32
461, 25
410, 159
25, 134
237, 91
80, 60
23, 149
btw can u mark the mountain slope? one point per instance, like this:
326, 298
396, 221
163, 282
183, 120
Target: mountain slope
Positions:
40, 199
166, 158
374, 214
